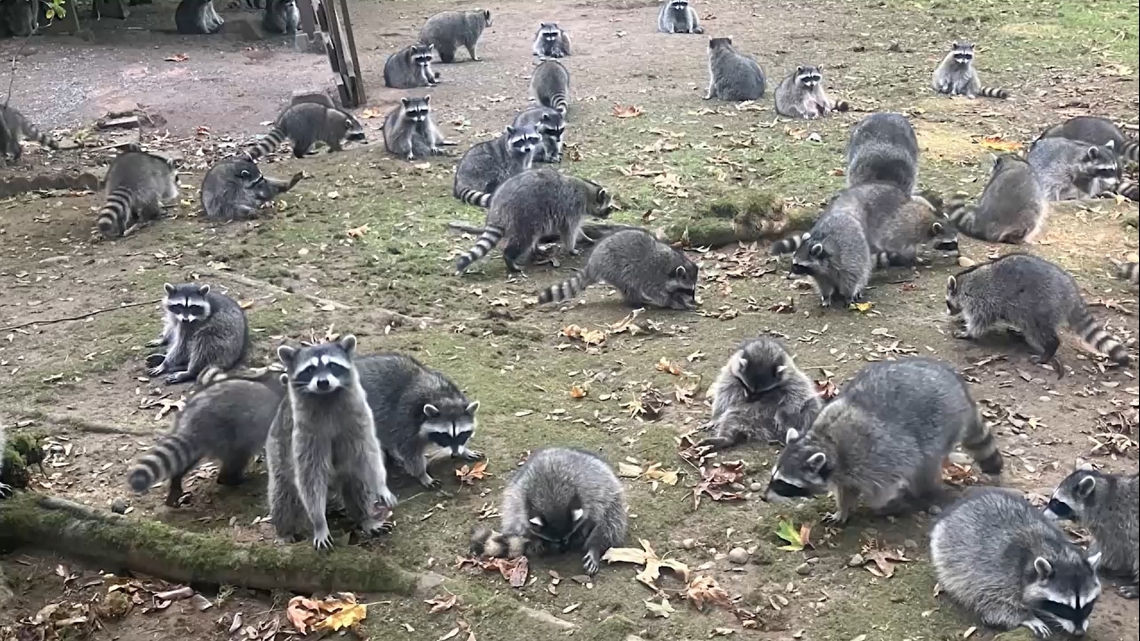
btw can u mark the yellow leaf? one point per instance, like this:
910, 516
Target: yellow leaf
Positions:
661, 610
862, 307
996, 143
631, 111
576, 391
647, 557
664, 365
350, 615
625, 470
357, 232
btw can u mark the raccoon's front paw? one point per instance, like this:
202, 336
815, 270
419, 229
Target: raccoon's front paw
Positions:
6, 491
427, 481
1038, 627
838, 517
960, 332
156, 342
155, 361
471, 455
1129, 591
825, 301
556, 158
322, 540
376, 527
387, 499
590, 562
179, 377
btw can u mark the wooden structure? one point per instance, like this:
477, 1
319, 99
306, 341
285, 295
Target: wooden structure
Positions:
328, 22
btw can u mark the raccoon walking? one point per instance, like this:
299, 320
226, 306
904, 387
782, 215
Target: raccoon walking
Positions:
884, 438
551, 41
678, 16
281, 16
534, 204
410, 67
883, 148
450, 29
14, 127
324, 435
548, 123
197, 17
1012, 209
410, 132
645, 270
1010, 566
956, 75
1068, 170
137, 185
1033, 297
305, 124
560, 500
732, 75
235, 188
801, 95
200, 328
1101, 132
550, 85
489, 164
759, 395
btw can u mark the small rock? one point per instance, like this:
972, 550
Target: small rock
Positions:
856, 561
964, 261
934, 510
756, 487
119, 506
910, 544
738, 556
689, 544
859, 48
803, 569
736, 487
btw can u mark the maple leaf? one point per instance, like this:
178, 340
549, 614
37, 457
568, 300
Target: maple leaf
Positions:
440, 604
587, 336
630, 111
661, 610
346, 616
715, 482
647, 557
468, 474
826, 389
885, 561
791, 534
705, 589
301, 613
998, 144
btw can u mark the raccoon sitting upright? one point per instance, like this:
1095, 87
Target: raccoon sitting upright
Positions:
759, 395
733, 76
551, 41
678, 16
560, 500
1012, 208
197, 17
14, 127
956, 75
645, 270
801, 95
1069, 170
200, 328
305, 124
1097, 131
884, 439
1109, 506
410, 67
450, 29
1032, 296
410, 131
534, 204
1010, 566
137, 185
281, 16
550, 85
487, 165
235, 188
883, 148
548, 123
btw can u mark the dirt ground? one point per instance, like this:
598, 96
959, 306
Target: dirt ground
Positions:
70, 381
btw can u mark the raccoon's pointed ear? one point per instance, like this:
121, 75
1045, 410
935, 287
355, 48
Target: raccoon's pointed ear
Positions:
1086, 467
471, 408
1111, 145
1092, 154
816, 250
348, 344
1043, 567
680, 271
792, 436
168, 288
284, 378
286, 354
603, 195
780, 369
800, 69
404, 101
817, 461
536, 521
937, 227
952, 285
576, 514
204, 290
1094, 561
1086, 486
954, 45
427, 100
738, 364
431, 411
510, 130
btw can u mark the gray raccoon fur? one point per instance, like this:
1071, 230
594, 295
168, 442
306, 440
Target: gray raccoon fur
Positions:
14, 127
136, 186
1109, 506
200, 328
415, 407
560, 500
323, 437
451, 29
645, 270
885, 438
281, 16
956, 75
1130, 189
548, 123
531, 205
1129, 272
896, 234
410, 67
1032, 296
1012, 208
1010, 566
1097, 131
19, 18
1070, 170
489, 164
410, 132
732, 75
305, 124
5, 490
197, 17
678, 16
883, 148
759, 395
551, 41
550, 85
235, 188
226, 418
801, 95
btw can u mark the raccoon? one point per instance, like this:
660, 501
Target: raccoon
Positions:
883, 148
1010, 566
306, 124
137, 185
1012, 208
14, 127
1130, 189
197, 17
18, 18
235, 188
678, 16
410, 132
5, 490
450, 29
489, 164
1129, 272
1097, 131
733, 76
759, 395
323, 437
560, 500
1033, 297
884, 438
532, 204
281, 16
645, 270
896, 234
225, 418
548, 123
1109, 505
956, 76
415, 407
550, 85
801, 95
551, 41
1068, 170
200, 328
410, 67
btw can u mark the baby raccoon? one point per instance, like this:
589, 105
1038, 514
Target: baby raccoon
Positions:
883, 148
1109, 506
645, 270
801, 95
235, 188
415, 407
760, 395
895, 234
550, 85
306, 124
548, 123
1068, 170
450, 29
14, 127
551, 41
884, 438
956, 76
197, 17
733, 76
678, 16
281, 16
489, 164
1097, 131
410, 132
1032, 296
1010, 566
559, 501
1129, 272
200, 328
137, 185
1012, 208
410, 67
226, 418
534, 204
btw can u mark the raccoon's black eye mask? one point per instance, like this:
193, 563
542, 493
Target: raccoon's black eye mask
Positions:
785, 489
1068, 613
1061, 509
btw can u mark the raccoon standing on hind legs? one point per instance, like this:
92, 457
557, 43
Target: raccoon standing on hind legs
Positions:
201, 328
956, 76
678, 16
137, 185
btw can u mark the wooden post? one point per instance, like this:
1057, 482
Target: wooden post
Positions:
340, 44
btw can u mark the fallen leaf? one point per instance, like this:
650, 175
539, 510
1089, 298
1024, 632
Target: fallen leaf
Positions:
629, 471
577, 391
587, 336
469, 474
442, 605
301, 613
345, 617
885, 560
357, 232
630, 111
647, 557
716, 482
998, 144
664, 365
704, 590
178, 57
861, 307
791, 534
660, 610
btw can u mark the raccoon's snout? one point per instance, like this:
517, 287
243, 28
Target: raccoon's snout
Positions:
947, 246
800, 270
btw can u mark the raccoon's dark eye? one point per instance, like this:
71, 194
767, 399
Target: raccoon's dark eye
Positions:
1106, 172
462, 438
177, 308
196, 310
305, 375
337, 369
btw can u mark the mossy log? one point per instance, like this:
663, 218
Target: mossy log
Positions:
719, 231
118, 543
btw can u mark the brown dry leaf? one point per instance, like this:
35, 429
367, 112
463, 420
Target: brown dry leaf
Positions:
587, 336
664, 365
959, 475
884, 560
577, 391
705, 589
440, 604
357, 232
655, 473
630, 111
301, 613
468, 474
998, 144
716, 482
627, 324
178, 57
684, 393
647, 557
826, 389
513, 570
371, 113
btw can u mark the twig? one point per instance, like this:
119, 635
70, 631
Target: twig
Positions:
91, 427
12, 73
261, 284
50, 321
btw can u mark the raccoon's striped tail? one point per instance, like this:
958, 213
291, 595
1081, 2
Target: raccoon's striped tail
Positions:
567, 289
842, 105
266, 145
979, 442
1130, 189
1094, 335
209, 376
475, 197
43, 139
1129, 272
993, 92
488, 239
172, 456
558, 103
1131, 150
489, 543
887, 259
117, 214
961, 215
788, 245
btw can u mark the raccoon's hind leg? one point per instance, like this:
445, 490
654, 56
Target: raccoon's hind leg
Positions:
471, 50
1045, 342
174, 494
446, 52
233, 468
